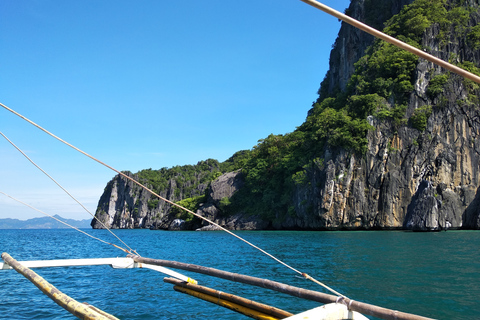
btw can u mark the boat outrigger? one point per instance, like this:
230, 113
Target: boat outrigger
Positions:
337, 306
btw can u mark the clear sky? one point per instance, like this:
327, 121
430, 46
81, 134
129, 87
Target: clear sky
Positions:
147, 84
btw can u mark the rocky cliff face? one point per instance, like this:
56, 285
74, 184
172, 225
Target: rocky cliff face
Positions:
415, 178
351, 42
214, 209
420, 180
408, 179
124, 205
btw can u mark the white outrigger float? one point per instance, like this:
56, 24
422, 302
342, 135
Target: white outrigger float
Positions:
335, 306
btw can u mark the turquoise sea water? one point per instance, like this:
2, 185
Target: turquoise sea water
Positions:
432, 274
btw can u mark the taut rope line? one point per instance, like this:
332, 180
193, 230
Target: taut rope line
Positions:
68, 193
392, 40
68, 225
306, 276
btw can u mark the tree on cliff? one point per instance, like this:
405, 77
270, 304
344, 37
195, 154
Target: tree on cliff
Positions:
365, 147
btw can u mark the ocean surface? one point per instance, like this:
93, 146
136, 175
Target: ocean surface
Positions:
431, 274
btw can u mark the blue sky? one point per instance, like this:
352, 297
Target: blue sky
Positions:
147, 84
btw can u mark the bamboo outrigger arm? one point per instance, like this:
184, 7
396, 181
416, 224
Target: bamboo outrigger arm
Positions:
159, 265
361, 307
392, 40
116, 263
80, 310
245, 306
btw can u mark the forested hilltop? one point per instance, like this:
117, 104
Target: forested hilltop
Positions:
391, 142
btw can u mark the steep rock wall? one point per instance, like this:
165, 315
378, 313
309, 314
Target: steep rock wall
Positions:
213, 209
351, 42
124, 205
408, 179
420, 180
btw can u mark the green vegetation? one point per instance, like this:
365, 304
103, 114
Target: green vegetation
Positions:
380, 86
420, 117
386, 71
474, 37
152, 204
268, 174
450, 16
224, 204
187, 178
191, 204
412, 21
437, 84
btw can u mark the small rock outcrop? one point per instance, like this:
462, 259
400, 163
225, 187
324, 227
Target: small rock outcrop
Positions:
220, 191
471, 218
433, 209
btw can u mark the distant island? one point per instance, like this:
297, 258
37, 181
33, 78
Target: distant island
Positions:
43, 223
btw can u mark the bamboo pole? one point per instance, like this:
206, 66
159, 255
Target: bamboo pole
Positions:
392, 40
364, 308
80, 310
226, 304
260, 307
235, 277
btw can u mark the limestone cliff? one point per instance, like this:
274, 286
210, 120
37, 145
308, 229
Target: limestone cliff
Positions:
409, 178
351, 42
421, 167
124, 205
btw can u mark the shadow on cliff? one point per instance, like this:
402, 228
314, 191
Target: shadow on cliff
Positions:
471, 216
436, 209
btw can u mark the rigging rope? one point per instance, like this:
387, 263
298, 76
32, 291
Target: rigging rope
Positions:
306, 276
65, 190
68, 225
328, 10
392, 40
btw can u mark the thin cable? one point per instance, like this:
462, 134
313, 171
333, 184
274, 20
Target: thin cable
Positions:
63, 222
306, 276
65, 190
340, 16
392, 40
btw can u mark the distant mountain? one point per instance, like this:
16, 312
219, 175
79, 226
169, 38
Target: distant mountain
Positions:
43, 223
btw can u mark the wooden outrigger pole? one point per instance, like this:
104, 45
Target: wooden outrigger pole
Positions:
392, 40
187, 285
361, 307
238, 304
80, 310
